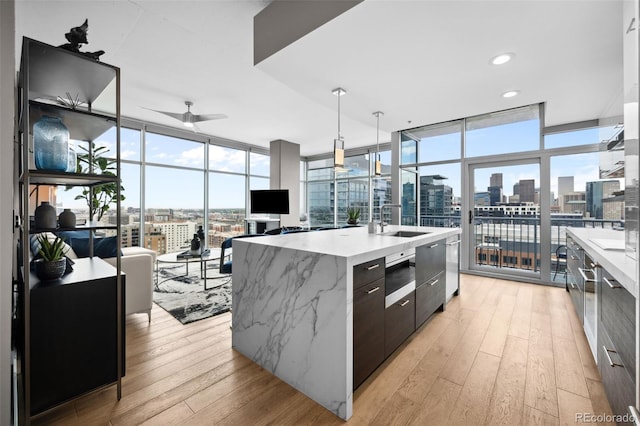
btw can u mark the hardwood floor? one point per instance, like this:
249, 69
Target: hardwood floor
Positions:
502, 353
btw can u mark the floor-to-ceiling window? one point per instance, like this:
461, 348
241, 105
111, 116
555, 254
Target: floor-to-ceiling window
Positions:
476, 173
431, 187
330, 192
585, 186
173, 182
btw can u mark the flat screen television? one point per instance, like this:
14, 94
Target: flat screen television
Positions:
274, 201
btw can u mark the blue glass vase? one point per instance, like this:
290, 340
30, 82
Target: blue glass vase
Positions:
51, 144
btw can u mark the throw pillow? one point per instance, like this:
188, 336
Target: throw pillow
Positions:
35, 245
102, 247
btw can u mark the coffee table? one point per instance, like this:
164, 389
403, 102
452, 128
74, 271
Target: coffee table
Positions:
214, 254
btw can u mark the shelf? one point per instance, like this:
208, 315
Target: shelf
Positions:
89, 226
71, 338
84, 269
47, 177
56, 72
82, 125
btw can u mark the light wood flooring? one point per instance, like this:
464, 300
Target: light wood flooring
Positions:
502, 353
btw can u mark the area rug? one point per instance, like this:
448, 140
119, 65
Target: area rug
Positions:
184, 297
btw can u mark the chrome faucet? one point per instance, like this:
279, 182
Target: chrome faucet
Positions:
382, 216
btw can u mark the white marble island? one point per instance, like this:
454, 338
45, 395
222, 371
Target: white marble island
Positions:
293, 304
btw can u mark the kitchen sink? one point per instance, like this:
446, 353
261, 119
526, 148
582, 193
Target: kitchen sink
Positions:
406, 234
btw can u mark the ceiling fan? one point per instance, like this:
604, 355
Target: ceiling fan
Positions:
188, 118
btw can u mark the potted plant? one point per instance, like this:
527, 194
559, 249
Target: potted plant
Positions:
98, 198
52, 262
353, 215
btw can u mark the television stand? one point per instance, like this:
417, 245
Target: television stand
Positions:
257, 225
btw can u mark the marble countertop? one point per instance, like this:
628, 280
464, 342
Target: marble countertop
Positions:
616, 262
355, 243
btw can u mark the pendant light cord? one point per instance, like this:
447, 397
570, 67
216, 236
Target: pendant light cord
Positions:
378, 134
339, 116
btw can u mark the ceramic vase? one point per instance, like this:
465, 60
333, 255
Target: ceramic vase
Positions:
51, 144
195, 245
45, 216
67, 219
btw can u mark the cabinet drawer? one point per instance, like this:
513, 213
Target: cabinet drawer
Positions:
430, 261
617, 315
577, 297
366, 272
399, 323
429, 297
618, 384
368, 330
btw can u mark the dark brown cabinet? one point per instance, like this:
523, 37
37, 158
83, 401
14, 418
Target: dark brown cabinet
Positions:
429, 297
616, 343
431, 280
399, 323
430, 261
574, 281
368, 319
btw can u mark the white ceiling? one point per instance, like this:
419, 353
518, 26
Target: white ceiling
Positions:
420, 62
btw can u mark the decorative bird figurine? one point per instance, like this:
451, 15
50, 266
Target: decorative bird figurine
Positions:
77, 36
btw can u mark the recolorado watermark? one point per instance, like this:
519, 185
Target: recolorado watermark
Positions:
603, 418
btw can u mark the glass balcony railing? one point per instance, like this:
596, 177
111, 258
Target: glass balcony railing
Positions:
514, 242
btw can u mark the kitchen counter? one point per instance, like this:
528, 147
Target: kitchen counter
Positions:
603, 246
293, 304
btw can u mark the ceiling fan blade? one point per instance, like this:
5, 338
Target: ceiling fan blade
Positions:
207, 117
177, 116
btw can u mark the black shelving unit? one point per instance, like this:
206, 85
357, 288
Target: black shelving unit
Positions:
68, 333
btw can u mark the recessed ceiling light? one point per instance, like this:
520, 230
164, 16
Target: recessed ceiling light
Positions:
502, 58
510, 93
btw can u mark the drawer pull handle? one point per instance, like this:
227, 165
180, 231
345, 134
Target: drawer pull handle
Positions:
453, 243
373, 290
377, 265
572, 285
610, 284
403, 304
434, 283
433, 245
573, 257
594, 265
584, 275
634, 413
611, 363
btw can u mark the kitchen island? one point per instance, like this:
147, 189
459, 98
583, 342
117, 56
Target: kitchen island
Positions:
293, 303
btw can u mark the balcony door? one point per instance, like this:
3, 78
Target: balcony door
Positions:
503, 218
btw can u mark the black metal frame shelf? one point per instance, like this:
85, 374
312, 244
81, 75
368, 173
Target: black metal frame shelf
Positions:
48, 73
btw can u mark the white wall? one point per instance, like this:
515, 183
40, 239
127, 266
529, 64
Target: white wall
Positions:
7, 90
284, 159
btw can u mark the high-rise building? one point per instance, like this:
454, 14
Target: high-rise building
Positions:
481, 199
495, 180
573, 202
177, 234
598, 191
527, 190
435, 201
516, 188
495, 195
565, 185
408, 201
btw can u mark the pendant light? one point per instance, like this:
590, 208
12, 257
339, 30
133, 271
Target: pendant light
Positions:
378, 163
338, 143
